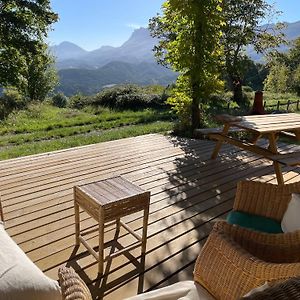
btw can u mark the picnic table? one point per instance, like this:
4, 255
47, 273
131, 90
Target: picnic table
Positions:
262, 126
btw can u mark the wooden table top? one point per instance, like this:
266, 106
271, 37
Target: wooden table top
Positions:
266, 123
108, 191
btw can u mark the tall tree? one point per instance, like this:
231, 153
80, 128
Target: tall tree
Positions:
189, 35
23, 27
241, 28
39, 76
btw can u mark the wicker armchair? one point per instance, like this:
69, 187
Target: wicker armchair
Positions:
271, 201
228, 271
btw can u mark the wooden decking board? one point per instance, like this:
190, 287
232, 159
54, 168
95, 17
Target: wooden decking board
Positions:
189, 192
99, 163
78, 165
155, 181
23, 195
41, 159
156, 218
40, 230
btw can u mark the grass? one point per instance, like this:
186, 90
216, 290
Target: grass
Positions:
43, 128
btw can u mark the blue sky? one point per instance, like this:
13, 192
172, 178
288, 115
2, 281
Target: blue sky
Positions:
94, 23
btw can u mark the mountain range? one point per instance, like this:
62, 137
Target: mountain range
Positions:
133, 62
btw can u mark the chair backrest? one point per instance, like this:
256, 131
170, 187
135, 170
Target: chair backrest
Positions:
264, 199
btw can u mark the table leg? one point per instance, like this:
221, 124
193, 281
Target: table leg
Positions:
77, 223
220, 142
277, 167
101, 245
145, 227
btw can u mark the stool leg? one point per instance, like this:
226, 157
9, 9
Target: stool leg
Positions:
77, 223
145, 227
101, 247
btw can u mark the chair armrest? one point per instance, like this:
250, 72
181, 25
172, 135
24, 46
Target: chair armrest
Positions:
289, 289
229, 272
276, 248
263, 199
72, 286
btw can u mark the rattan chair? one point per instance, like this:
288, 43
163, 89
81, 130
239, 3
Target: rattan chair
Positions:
228, 271
271, 201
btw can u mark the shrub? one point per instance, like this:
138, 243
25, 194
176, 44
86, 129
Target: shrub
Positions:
128, 97
9, 101
60, 100
79, 101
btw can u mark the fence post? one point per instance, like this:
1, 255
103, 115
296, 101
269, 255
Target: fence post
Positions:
288, 105
278, 105
298, 105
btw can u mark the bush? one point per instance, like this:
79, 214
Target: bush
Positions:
128, 97
79, 101
9, 101
60, 100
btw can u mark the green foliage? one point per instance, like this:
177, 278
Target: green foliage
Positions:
60, 100
296, 80
241, 28
23, 27
129, 97
79, 101
278, 79
39, 76
9, 101
284, 75
189, 35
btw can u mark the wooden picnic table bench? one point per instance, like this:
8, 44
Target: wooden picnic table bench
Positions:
269, 126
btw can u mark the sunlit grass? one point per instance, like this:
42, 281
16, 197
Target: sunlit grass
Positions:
44, 128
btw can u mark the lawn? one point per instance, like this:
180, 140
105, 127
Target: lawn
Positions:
44, 128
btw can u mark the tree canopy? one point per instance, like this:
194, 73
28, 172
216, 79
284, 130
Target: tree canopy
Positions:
284, 75
23, 27
189, 34
242, 28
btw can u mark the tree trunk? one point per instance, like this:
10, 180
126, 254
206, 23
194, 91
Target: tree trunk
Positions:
237, 91
195, 104
195, 114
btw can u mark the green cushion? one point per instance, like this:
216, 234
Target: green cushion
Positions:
254, 222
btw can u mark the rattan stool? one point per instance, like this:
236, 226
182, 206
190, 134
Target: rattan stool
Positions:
106, 201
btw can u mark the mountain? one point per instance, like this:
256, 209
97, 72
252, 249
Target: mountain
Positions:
67, 50
138, 48
133, 62
291, 32
89, 81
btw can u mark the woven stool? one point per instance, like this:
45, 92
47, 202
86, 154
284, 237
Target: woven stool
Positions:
108, 201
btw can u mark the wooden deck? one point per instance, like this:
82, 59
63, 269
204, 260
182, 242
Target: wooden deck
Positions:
189, 192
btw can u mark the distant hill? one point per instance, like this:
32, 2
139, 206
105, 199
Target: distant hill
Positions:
89, 81
291, 31
138, 48
133, 62
67, 50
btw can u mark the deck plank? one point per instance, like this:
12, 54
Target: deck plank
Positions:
189, 192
